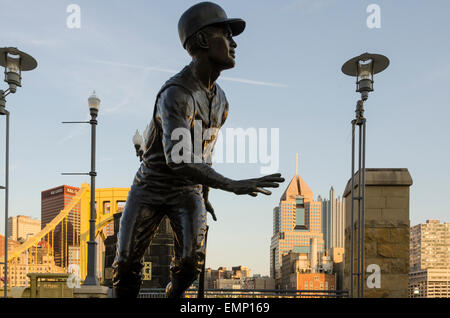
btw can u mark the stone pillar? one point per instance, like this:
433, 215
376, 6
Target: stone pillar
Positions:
386, 234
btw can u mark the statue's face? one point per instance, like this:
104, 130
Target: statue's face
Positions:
222, 47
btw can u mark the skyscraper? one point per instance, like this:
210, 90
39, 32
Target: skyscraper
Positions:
429, 245
297, 221
333, 222
67, 233
430, 260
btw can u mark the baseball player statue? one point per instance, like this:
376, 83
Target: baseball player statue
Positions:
175, 173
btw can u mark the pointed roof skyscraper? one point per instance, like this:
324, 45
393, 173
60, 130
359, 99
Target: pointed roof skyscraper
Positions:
297, 186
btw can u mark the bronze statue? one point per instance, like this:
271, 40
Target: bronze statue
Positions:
164, 185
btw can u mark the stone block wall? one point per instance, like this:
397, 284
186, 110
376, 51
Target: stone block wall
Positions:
386, 237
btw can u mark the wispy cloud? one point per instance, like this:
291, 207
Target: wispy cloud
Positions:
252, 82
307, 6
170, 71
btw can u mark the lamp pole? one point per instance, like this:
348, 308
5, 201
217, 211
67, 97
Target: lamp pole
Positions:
91, 277
6, 187
14, 61
362, 67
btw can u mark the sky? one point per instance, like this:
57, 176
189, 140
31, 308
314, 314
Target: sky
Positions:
287, 76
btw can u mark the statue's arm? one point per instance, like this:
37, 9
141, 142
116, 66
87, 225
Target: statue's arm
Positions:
175, 114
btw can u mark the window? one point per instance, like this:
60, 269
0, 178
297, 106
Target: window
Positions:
120, 206
106, 207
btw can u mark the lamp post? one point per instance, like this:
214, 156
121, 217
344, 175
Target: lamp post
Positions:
138, 143
362, 67
91, 277
14, 62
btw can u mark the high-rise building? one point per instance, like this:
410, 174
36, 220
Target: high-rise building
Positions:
430, 259
21, 227
67, 233
429, 245
297, 223
333, 222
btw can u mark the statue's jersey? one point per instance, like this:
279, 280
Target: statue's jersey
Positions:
185, 113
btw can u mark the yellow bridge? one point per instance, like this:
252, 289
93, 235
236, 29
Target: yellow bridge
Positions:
108, 202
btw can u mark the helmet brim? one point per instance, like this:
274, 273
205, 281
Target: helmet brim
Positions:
237, 25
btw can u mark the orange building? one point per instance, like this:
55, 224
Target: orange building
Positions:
316, 281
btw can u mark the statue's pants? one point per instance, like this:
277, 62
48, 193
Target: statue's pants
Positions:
138, 226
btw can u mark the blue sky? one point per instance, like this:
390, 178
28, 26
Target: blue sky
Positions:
124, 50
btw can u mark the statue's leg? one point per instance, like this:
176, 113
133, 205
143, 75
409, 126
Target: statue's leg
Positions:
138, 226
188, 221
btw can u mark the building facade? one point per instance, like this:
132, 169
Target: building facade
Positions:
297, 223
333, 222
429, 245
430, 283
258, 282
315, 281
430, 260
37, 260
223, 278
67, 233
21, 227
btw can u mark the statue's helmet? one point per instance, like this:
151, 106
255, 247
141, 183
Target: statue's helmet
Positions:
202, 15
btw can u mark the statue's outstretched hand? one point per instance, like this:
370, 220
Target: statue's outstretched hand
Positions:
253, 186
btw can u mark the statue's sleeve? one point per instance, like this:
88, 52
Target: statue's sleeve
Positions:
174, 113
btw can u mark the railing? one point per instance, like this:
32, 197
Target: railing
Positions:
249, 293
48, 285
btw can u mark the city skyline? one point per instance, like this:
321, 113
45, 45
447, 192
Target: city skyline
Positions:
305, 46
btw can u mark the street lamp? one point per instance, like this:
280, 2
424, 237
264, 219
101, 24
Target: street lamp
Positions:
138, 143
362, 67
14, 62
91, 277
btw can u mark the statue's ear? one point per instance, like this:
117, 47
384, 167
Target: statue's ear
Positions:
202, 40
